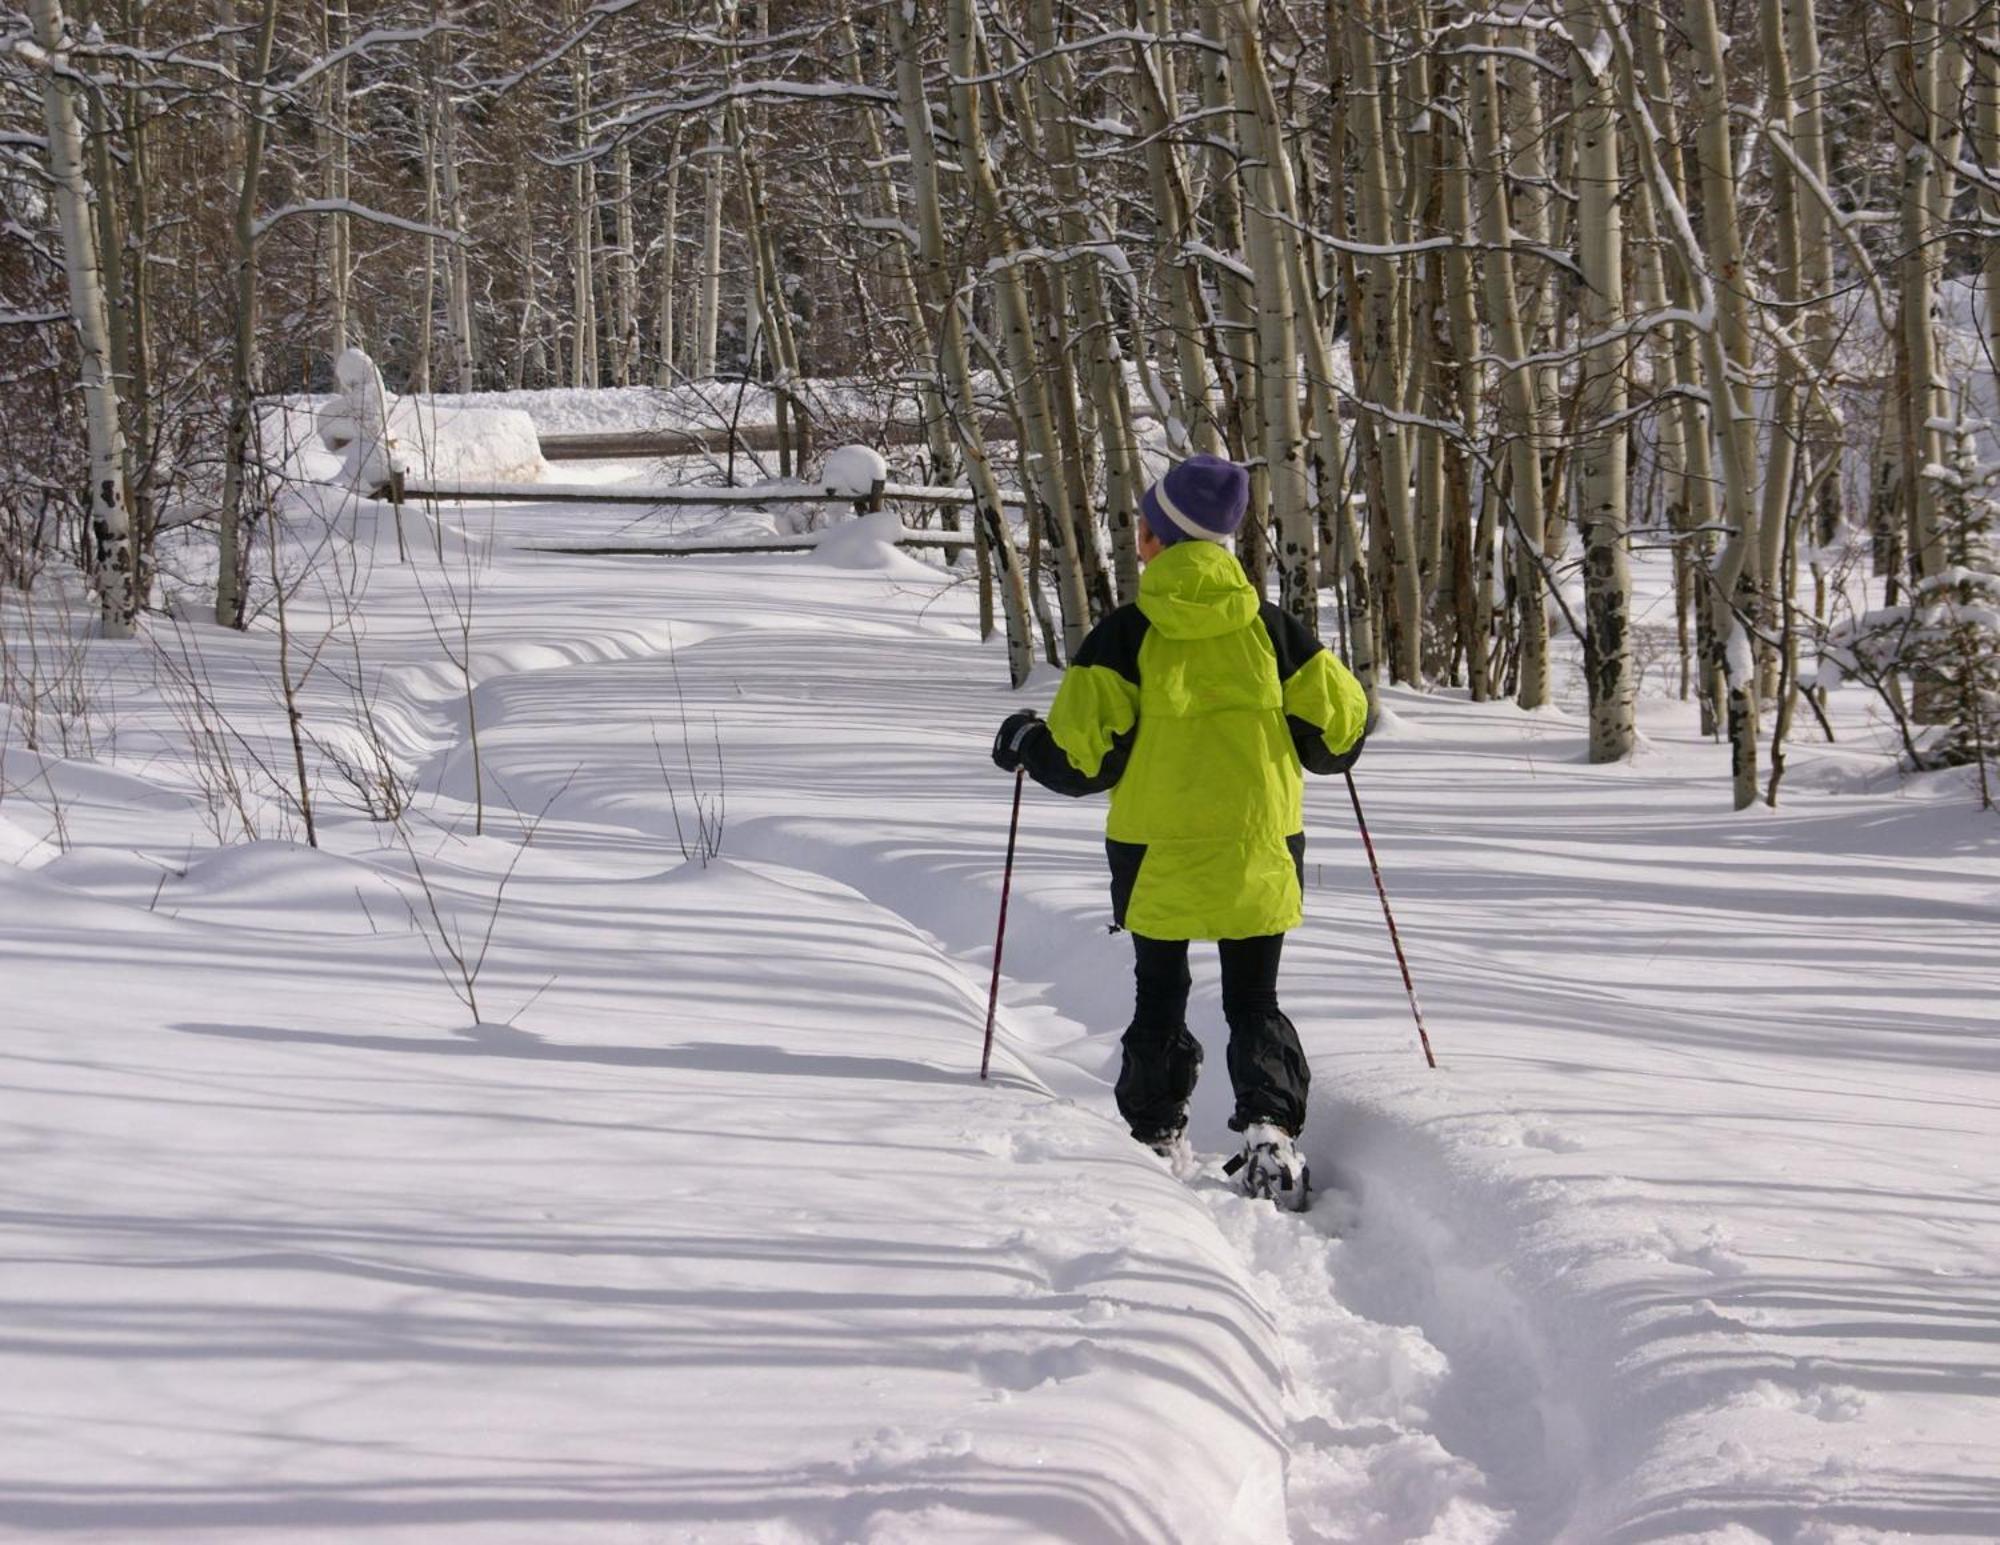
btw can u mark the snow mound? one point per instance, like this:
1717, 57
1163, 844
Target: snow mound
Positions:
23, 848
286, 885
446, 445
869, 542
853, 471
294, 442
439, 443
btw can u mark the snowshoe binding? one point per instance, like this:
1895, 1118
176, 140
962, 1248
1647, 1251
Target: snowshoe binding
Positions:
1270, 1169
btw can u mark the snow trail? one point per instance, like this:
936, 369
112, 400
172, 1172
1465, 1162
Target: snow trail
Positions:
1689, 1238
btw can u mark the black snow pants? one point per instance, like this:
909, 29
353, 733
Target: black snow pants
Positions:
1267, 1067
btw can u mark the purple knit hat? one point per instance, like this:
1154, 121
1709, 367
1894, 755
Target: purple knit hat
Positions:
1202, 497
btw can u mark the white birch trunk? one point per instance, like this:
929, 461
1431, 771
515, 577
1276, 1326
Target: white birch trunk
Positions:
109, 518
1473, 565
1720, 309
1986, 131
1104, 376
1537, 213
242, 465
1040, 467
708, 315
1519, 406
1274, 241
583, 234
420, 374
1601, 438
530, 364
665, 315
335, 172
1376, 333
1788, 391
457, 265
625, 272
1200, 426
1692, 436
1933, 75
905, 32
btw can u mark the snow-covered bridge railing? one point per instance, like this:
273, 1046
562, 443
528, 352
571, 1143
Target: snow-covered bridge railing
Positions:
692, 494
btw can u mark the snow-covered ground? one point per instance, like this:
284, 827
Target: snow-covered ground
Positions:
706, 1229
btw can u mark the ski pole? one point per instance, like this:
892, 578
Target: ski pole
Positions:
1000, 938
1376, 869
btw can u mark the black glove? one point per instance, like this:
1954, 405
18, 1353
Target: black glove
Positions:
1013, 737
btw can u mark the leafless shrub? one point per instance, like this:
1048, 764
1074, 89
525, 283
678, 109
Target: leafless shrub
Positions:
710, 806
459, 956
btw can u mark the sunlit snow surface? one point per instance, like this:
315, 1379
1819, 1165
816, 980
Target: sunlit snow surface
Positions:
708, 1231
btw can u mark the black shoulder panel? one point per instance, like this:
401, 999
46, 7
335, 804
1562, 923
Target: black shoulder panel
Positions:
1049, 765
1114, 642
1289, 638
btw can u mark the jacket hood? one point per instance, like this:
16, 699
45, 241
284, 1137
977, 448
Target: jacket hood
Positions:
1197, 589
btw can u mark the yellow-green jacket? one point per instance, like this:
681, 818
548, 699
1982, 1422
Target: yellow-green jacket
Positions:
1197, 707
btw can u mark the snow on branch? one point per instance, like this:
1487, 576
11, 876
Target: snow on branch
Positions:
608, 134
367, 43
1080, 45
1633, 327
341, 206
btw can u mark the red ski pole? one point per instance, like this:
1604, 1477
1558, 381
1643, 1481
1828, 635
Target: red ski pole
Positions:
1000, 938
1376, 869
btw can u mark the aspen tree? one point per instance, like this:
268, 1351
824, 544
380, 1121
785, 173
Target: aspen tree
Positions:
1689, 442
907, 302
1022, 114
1720, 316
906, 29
1273, 238
1537, 215
767, 294
530, 363
1054, 98
1199, 425
336, 157
451, 198
1986, 132
1472, 565
1234, 304
420, 375
1805, 141
708, 313
625, 270
109, 520
1931, 73
1041, 469
240, 452
1519, 410
665, 340
1601, 438
1376, 332
1789, 388
110, 209
583, 228
136, 397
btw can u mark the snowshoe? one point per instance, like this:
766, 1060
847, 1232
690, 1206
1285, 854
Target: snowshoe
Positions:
1175, 1149
1269, 1167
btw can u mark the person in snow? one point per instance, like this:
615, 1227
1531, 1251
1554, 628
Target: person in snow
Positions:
1197, 707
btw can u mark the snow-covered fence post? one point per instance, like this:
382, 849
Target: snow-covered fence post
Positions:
110, 520
375, 462
373, 459
858, 474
